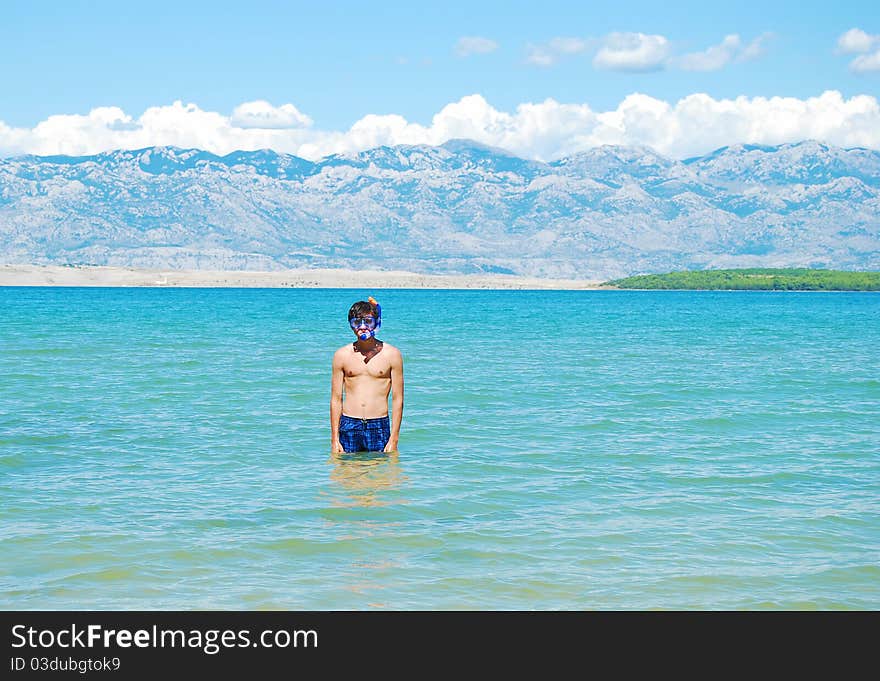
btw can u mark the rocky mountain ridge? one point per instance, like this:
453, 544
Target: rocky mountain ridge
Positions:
461, 207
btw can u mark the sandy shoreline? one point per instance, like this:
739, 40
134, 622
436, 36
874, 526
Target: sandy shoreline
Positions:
54, 275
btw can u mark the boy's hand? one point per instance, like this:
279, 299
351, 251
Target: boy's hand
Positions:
336, 447
391, 446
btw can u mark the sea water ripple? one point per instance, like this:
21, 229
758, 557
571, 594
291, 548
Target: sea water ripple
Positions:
168, 448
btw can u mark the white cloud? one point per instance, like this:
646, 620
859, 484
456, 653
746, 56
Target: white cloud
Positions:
261, 114
640, 52
544, 130
178, 124
866, 63
632, 52
856, 41
468, 45
867, 46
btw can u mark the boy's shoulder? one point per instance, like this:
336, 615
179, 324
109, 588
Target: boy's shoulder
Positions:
391, 350
387, 346
342, 352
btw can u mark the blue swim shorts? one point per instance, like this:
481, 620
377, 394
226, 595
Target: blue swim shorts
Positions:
364, 435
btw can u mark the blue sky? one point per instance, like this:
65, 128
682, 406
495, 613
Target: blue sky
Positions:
339, 62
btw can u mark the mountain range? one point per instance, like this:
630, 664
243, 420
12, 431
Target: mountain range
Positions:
460, 207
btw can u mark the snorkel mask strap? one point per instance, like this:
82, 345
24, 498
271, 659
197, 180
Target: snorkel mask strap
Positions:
378, 307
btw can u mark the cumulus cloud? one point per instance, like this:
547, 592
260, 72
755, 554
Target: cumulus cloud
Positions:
866, 63
177, 124
261, 114
632, 52
468, 45
544, 130
856, 41
867, 46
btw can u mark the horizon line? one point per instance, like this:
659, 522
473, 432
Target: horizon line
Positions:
470, 141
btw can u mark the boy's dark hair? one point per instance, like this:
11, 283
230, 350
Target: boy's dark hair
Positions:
361, 308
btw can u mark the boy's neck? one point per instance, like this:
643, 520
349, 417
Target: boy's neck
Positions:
366, 345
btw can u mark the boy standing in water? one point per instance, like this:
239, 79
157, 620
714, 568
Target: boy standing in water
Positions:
366, 372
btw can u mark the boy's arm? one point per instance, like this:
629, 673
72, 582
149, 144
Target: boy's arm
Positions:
335, 404
396, 401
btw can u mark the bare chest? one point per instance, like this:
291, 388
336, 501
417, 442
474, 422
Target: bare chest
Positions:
375, 367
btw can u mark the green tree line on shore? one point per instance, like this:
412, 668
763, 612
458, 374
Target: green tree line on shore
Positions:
755, 279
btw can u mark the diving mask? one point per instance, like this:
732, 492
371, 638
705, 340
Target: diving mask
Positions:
358, 322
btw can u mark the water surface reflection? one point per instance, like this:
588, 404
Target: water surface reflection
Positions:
366, 477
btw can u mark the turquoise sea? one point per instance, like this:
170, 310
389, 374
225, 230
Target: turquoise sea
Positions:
169, 449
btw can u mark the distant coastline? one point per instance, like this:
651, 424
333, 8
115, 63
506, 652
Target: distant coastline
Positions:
754, 279
90, 275
749, 279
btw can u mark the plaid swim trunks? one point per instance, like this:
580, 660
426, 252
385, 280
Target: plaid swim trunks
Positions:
364, 435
